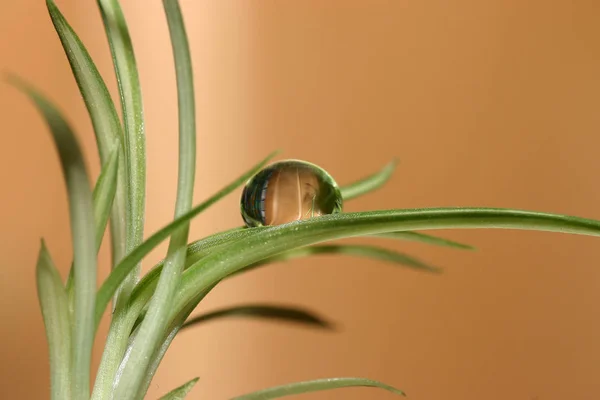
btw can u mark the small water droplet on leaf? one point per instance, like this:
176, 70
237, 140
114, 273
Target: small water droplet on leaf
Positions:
287, 191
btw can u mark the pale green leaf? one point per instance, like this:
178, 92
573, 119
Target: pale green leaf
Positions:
124, 268
366, 251
181, 392
424, 238
54, 304
369, 183
315, 386
148, 338
83, 237
133, 120
125, 317
239, 254
103, 115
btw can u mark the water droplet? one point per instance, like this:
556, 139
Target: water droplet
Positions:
288, 191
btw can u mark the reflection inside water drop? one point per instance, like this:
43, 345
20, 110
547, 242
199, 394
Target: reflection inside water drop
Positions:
289, 191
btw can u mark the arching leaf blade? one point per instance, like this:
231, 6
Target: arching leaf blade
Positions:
55, 312
82, 232
278, 313
369, 183
316, 386
278, 239
180, 392
130, 261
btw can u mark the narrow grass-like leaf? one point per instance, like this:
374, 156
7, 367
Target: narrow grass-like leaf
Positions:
424, 238
124, 268
203, 247
265, 311
369, 183
172, 331
82, 231
102, 199
155, 322
104, 194
181, 392
366, 251
124, 318
133, 121
277, 239
103, 115
54, 305
315, 386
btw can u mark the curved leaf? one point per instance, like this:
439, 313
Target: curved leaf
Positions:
82, 232
203, 247
104, 194
55, 311
172, 331
367, 251
103, 115
369, 183
181, 392
267, 311
119, 273
278, 239
424, 238
133, 120
155, 322
315, 386
126, 315
102, 199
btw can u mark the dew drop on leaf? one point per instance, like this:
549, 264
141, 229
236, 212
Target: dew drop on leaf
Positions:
287, 191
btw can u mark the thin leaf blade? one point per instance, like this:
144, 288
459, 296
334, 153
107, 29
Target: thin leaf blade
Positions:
128, 263
103, 115
180, 392
218, 265
104, 194
370, 183
83, 237
102, 199
367, 251
55, 312
316, 386
424, 238
148, 339
263, 311
124, 318
133, 120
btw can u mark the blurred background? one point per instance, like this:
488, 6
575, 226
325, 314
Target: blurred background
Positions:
485, 104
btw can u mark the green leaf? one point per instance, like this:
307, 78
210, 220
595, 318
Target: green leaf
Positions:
274, 240
369, 183
213, 243
172, 331
423, 238
123, 269
54, 304
104, 194
133, 121
267, 311
103, 115
124, 318
348, 249
82, 232
315, 386
102, 199
180, 392
155, 322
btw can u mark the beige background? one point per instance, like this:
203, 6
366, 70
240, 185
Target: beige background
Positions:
486, 104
